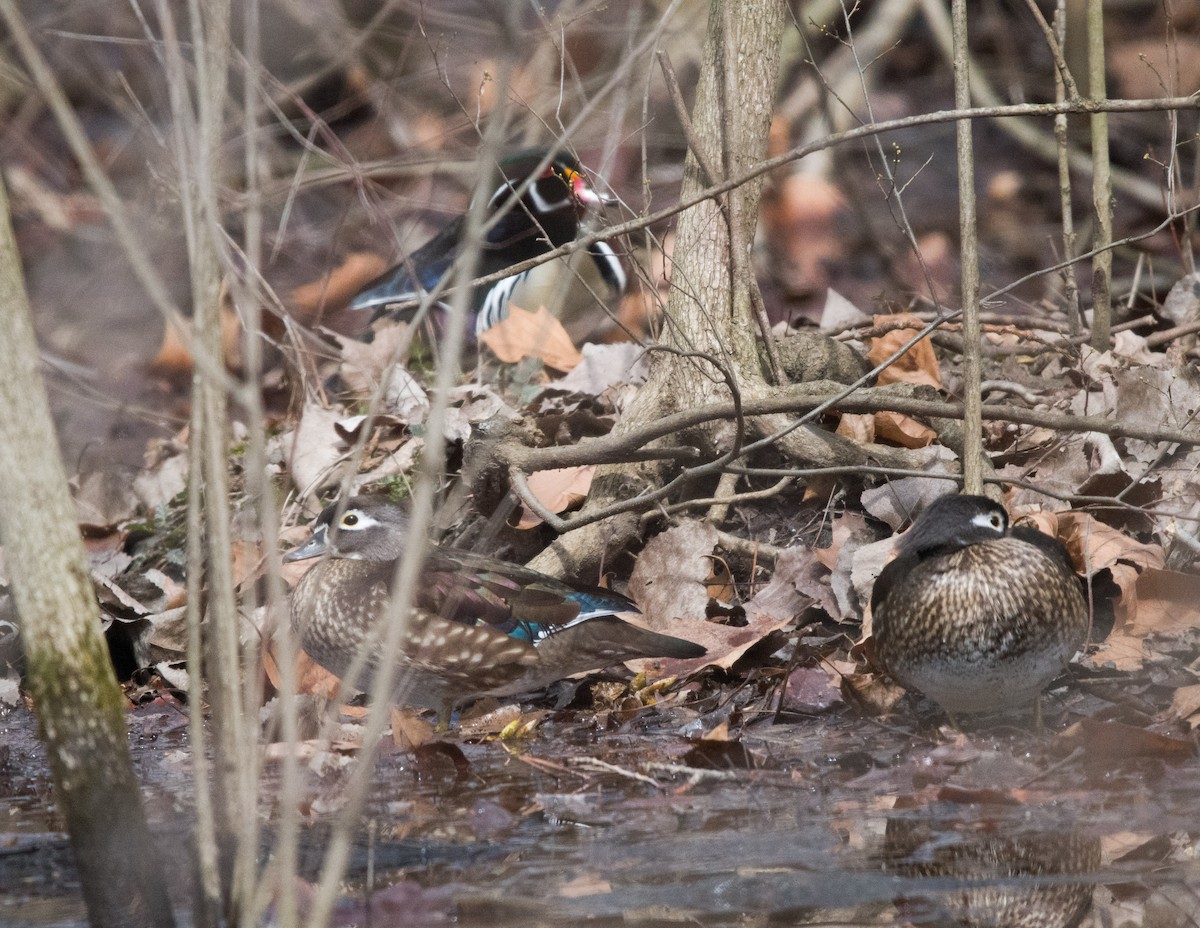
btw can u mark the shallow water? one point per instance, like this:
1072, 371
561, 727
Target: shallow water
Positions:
822, 821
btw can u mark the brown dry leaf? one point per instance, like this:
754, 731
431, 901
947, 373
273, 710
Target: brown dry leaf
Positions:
896, 501
161, 481
720, 581
669, 579
558, 490
104, 499
719, 732
532, 335
1045, 522
1167, 601
903, 430
843, 528
606, 366
174, 357
812, 689
336, 288
1099, 547
812, 578
1117, 741
1185, 704
669, 585
247, 560
874, 692
1119, 651
1095, 545
859, 427
409, 730
365, 364
850, 533
315, 452
311, 677
917, 365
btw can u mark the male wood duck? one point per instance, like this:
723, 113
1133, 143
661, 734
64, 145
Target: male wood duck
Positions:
547, 215
977, 616
479, 626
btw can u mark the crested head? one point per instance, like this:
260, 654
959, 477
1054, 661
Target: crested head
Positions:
955, 521
560, 185
368, 528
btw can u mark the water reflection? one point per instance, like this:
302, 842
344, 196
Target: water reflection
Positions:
974, 874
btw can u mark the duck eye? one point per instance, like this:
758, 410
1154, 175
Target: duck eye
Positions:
350, 520
996, 521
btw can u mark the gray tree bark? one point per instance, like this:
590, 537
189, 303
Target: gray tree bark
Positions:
78, 702
708, 311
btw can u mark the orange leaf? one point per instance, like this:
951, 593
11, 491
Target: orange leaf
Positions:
903, 430
1115, 740
1167, 601
1096, 545
858, 427
917, 365
558, 490
532, 335
1186, 701
307, 302
311, 677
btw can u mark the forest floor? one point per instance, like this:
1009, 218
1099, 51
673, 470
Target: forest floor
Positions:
779, 780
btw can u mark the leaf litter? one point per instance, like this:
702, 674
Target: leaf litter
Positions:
784, 723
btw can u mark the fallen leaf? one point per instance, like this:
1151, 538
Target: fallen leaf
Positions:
1167, 601
903, 430
409, 730
310, 676
720, 582
1186, 703
558, 490
364, 364
840, 314
527, 334
812, 690
774, 607
669, 578
605, 366
174, 356
917, 365
103, 500
1117, 741
308, 302
162, 482
859, 427
315, 454
1095, 545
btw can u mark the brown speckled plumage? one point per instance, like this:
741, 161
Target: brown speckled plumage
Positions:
974, 616
339, 608
978, 875
479, 627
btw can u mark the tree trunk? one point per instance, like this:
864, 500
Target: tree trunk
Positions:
79, 704
708, 309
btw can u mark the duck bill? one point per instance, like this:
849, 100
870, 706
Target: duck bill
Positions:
585, 194
316, 545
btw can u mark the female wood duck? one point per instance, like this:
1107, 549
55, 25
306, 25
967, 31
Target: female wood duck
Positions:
977, 616
479, 626
547, 215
